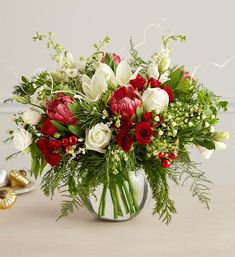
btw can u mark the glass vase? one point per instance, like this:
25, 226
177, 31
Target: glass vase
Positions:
122, 200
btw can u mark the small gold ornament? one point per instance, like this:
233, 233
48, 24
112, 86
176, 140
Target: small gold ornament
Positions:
18, 178
7, 198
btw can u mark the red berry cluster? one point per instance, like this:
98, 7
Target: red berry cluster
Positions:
167, 158
67, 142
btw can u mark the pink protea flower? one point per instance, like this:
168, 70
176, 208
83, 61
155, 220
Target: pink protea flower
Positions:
125, 100
57, 110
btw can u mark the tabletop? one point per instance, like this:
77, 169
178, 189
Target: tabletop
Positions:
29, 228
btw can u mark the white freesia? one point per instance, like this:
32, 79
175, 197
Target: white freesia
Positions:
155, 99
81, 64
31, 117
93, 88
22, 139
98, 138
153, 71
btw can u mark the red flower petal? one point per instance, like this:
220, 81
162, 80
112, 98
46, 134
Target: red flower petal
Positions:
169, 92
143, 133
124, 140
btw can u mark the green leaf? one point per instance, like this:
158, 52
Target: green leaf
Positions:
76, 130
60, 126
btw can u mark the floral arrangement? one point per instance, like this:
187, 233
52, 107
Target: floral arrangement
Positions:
94, 121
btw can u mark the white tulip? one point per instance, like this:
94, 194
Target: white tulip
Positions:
98, 138
221, 136
220, 145
31, 117
164, 64
93, 88
22, 139
155, 99
204, 152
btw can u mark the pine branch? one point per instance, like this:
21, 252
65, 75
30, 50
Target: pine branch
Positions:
189, 171
68, 206
164, 206
135, 60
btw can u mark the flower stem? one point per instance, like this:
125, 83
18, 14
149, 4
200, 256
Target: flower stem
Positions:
123, 197
114, 200
101, 210
133, 193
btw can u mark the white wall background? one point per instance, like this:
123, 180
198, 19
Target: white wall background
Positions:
209, 26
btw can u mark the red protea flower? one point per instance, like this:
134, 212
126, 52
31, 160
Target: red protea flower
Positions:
57, 110
125, 100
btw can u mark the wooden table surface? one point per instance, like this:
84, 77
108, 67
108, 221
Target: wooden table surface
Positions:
29, 229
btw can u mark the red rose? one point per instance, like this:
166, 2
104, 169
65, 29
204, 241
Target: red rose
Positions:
138, 83
126, 122
54, 145
53, 158
143, 133
125, 100
169, 92
57, 110
42, 144
124, 140
154, 82
148, 116
116, 58
48, 129
47, 147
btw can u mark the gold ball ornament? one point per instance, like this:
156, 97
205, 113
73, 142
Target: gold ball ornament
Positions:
18, 178
7, 198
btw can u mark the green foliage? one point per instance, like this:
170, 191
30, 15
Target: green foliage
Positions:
188, 171
88, 114
68, 206
135, 60
38, 162
166, 40
164, 206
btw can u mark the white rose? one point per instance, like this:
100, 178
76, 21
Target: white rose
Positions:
98, 137
31, 117
155, 99
22, 139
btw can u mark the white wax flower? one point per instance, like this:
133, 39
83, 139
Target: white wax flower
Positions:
98, 138
31, 117
155, 99
22, 139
